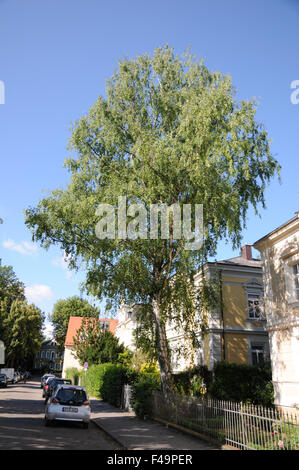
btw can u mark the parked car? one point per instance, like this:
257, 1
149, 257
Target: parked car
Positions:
52, 383
16, 378
9, 372
68, 403
3, 380
46, 384
44, 379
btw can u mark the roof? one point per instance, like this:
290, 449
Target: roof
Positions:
290, 221
241, 261
75, 323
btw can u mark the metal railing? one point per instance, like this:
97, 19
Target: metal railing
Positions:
237, 424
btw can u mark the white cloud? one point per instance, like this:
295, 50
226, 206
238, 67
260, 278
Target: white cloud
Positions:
62, 262
24, 248
48, 330
38, 293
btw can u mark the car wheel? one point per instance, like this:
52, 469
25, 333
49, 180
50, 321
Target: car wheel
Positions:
85, 425
47, 422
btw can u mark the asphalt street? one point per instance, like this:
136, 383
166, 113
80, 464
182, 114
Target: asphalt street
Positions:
22, 424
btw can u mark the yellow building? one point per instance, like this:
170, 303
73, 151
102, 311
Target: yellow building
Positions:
236, 329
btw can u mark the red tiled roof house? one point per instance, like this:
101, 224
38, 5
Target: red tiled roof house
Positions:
74, 324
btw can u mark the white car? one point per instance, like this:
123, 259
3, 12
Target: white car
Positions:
68, 403
16, 377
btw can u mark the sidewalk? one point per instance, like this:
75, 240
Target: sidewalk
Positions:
135, 434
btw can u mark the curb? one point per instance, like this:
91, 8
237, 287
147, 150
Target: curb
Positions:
111, 435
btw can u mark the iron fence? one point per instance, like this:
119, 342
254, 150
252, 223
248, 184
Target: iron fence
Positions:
237, 424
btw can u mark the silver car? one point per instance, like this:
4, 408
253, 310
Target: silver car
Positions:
68, 403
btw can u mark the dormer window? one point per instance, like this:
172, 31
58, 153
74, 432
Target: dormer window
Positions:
104, 325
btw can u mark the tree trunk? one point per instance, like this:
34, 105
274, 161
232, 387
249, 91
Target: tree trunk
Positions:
163, 356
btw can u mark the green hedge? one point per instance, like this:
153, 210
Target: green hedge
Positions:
142, 393
235, 382
183, 381
73, 374
106, 381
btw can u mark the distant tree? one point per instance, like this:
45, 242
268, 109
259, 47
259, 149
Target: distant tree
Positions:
22, 333
11, 289
66, 308
10, 286
95, 345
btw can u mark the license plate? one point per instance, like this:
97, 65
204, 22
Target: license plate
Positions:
70, 409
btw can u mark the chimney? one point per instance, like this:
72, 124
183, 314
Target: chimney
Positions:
246, 252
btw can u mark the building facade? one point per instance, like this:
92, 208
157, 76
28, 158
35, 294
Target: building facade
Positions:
280, 256
49, 357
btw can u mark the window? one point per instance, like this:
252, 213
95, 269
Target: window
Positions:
255, 310
257, 354
42, 354
296, 279
104, 325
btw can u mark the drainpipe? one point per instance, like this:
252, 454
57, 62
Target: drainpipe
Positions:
222, 317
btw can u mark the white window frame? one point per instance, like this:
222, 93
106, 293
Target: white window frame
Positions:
259, 349
258, 305
255, 292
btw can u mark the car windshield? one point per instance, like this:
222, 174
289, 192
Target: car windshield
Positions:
2, 376
62, 382
71, 395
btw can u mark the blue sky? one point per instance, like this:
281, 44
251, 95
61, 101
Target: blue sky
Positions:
55, 57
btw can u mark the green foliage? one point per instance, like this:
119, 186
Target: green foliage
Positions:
92, 379
106, 381
95, 345
20, 324
115, 377
22, 333
142, 393
66, 308
11, 289
149, 368
167, 131
242, 383
190, 382
125, 358
10, 286
74, 374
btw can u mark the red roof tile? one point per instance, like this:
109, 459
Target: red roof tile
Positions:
75, 323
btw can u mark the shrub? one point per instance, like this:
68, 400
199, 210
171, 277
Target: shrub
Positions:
106, 381
189, 382
235, 382
142, 393
73, 374
93, 378
114, 378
